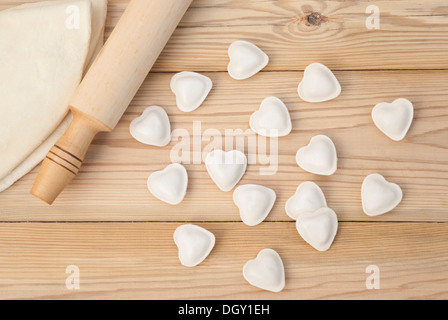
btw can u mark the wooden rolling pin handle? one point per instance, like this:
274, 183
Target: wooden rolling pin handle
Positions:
61, 165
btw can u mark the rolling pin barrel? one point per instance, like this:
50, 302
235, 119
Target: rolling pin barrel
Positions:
109, 87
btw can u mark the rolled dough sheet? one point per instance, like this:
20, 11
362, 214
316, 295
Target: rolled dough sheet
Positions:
36, 156
98, 17
99, 14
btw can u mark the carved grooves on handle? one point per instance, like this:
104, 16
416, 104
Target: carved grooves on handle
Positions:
72, 155
65, 159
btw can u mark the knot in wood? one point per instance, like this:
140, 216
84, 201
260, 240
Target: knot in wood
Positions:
315, 19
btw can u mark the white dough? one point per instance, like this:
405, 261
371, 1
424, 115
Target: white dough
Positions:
36, 156
308, 198
272, 119
99, 14
254, 202
394, 119
319, 84
266, 272
170, 184
191, 90
318, 228
194, 244
152, 127
47, 82
319, 156
226, 168
246, 60
379, 196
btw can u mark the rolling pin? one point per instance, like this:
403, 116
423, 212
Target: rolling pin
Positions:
109, 87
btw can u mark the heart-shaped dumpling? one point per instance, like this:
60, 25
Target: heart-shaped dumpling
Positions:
308, 198
191, 90
152, 127
246, 59
394, 119
266, 271
319, 84
194, 244
272, 119
319, 156
318, 228
169, 184
379, 196
254, 202
226, 168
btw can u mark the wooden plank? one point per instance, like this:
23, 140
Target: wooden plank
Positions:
128, 261
112, 183
413, 34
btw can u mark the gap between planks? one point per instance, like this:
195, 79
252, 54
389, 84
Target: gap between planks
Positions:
201, 221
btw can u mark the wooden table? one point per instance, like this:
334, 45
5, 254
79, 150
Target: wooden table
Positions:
120, 237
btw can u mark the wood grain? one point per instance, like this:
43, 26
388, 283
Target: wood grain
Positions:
407, 57
135, 261
413, 34
112, 184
